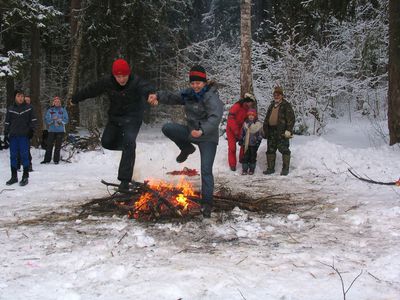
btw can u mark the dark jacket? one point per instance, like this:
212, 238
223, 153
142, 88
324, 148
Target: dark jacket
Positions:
203, 111
20, 120
126, 102
286, 118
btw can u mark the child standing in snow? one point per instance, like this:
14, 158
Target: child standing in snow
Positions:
251, 139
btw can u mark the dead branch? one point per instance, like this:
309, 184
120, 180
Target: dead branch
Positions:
341, 278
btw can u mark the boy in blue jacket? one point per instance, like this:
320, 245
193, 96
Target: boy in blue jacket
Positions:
20, 122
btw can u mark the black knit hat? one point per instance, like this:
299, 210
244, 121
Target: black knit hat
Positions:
197, 73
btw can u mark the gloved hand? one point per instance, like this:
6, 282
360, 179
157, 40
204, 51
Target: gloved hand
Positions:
288, 134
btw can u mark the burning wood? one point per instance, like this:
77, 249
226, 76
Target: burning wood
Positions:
152, 200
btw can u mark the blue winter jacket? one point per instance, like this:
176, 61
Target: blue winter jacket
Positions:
56, 118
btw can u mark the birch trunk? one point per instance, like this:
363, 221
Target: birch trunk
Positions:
246, 76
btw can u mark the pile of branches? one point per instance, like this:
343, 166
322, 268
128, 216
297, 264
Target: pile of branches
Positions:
124, 203
75, 143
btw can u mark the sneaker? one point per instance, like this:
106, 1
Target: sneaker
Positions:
233, 169
123, 186
206, 210
56, 162
24, 181
251, 172
244, 172
185, 153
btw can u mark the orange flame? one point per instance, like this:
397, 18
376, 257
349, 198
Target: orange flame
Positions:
177, 196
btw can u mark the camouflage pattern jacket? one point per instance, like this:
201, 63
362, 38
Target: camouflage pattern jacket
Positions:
286, 118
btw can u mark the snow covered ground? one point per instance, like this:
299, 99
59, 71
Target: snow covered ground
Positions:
338, 221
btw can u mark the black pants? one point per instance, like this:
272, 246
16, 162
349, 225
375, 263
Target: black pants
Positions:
122, 136
250, 156
54, 140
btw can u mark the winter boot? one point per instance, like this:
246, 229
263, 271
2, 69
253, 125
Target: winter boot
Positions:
252, 167
206, 209
245, 167
270, 164
285, 164
185, 153
123, 186
25, 176
14, 177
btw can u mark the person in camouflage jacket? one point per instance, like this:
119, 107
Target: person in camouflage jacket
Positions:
278, 129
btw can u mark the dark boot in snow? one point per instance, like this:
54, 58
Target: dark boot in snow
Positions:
24, 181
285, 164
123, 186
206, 209
14, 177
270, 164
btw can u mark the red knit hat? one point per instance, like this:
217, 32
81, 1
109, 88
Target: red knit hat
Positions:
121, 67
252, 111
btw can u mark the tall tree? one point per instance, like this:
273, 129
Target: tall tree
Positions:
246, 75
394, 72
76, 42
35, 80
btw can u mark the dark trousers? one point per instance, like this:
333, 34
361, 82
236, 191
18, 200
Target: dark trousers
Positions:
250, 156
276, 142
180, 135
54, 139
19, 147
19, 161
122, 136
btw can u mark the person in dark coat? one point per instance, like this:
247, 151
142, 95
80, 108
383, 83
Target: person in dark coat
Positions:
56, 118
203, 110
127, 93
19, 123
278, 129
236, 116
27, 100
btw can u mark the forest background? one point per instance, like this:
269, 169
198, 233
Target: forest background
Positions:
330, 56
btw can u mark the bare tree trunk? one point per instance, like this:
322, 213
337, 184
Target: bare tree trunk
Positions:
394, 72
35, 83
76, 42
246, 76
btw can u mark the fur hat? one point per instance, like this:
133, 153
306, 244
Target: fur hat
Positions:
121, 67
197, 73
278, 90
249, 96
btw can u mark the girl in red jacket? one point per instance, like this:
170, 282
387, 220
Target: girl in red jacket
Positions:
236, 116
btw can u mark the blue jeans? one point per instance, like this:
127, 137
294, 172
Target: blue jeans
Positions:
19, 147
180, 135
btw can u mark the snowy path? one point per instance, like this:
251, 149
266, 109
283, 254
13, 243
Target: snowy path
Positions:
237, 255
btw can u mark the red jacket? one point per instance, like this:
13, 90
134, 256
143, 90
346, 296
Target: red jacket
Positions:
236, 117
